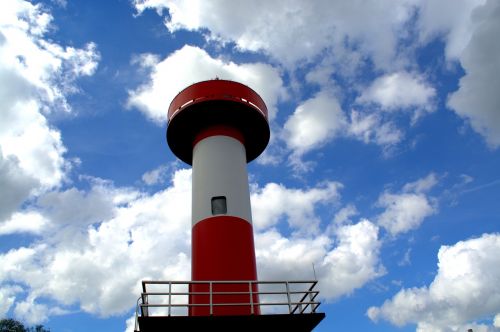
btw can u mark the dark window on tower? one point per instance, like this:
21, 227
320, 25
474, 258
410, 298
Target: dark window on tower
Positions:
219, 205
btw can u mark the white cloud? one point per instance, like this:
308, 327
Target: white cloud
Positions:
7, 298
407, 210
293, 31
35, 75
469, 29
343, 215
353, 262
378, 33
274, 202
31, 312
370, 128
277, 256
496, 320
341, 218
77, 207
15, 183
160, 174
141, 236
349, 265
48, 68
341, 268
133, 235
406, 260
477, 98
453, 20
23, 222
191, 64
155, 176
29, 140
130, 324
424, 327
421, 185
404, 212
314, 122
464, 290
275, 151
399, 90
319, 120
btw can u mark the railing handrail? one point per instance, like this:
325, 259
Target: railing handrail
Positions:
231, 293
258, 282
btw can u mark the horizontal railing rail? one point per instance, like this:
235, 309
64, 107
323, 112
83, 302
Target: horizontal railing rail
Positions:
296, 296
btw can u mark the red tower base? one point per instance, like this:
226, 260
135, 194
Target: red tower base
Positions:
223, 249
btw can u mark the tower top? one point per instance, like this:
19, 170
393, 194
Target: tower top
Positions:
215, 103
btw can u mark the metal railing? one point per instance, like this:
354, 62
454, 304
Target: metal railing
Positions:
174, 298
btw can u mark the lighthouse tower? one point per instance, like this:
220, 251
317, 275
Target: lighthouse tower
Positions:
219, 126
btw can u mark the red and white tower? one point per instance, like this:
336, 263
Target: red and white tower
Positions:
219, 126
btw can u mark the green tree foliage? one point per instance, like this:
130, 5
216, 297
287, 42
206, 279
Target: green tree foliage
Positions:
12, 325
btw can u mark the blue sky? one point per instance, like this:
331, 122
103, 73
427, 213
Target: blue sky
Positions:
382, 170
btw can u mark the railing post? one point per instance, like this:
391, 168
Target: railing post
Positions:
144, 309
251, 297
288, 297
136, 327
169, 297
144, 306
210, 291
313, 309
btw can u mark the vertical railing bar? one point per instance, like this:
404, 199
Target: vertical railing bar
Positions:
288, 297
311, 300
144, 309
210, 292
136, 328
169, 297
190, 297
251, 296
302, 310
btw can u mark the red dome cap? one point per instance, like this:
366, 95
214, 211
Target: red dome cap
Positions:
214, 103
